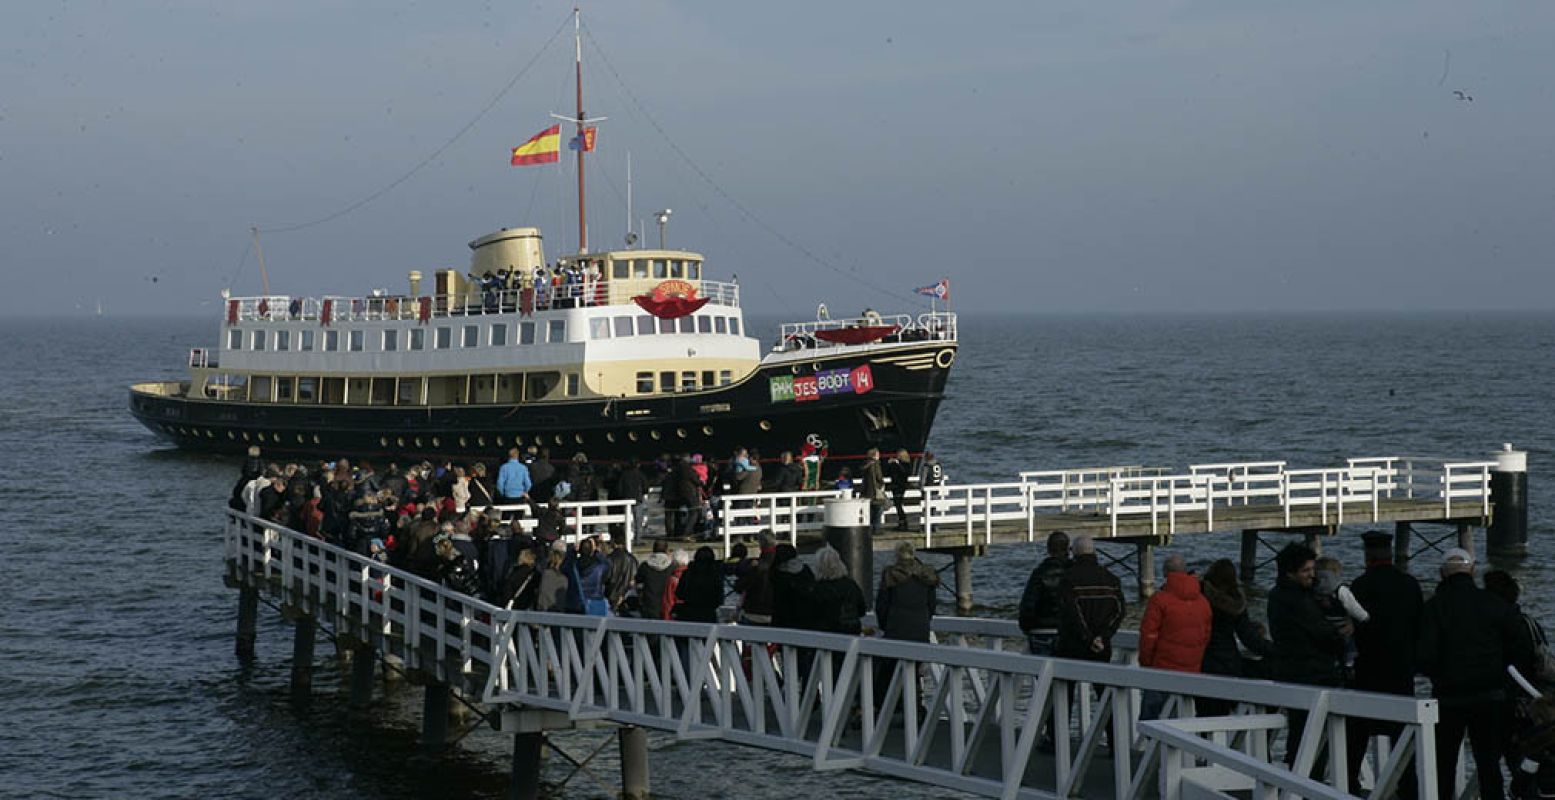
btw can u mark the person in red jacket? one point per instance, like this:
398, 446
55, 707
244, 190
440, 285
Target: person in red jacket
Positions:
1175, 629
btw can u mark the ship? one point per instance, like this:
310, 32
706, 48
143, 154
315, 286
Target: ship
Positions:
622, 355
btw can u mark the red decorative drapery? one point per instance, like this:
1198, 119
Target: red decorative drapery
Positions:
670, 307
232, 312
426, 309
860, 335
326, 312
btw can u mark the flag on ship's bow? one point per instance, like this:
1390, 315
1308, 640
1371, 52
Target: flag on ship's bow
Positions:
939, 290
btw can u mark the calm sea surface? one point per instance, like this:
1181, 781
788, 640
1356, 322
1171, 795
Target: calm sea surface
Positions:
116, 668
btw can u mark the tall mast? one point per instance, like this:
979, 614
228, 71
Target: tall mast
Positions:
577, 39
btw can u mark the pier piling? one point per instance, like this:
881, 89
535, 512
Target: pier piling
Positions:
963, 562
1507, 536
1402, 534
1145, 556
526, 765
434, 716
363, 660
1249, 565
634, 763
302, 657
248, 622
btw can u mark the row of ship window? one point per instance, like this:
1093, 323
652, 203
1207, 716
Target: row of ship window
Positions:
444, 390
493, 335
519, 440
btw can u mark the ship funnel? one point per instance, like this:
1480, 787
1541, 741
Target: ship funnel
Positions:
511, 249
415, 283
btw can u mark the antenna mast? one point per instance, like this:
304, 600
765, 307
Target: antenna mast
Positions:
577, 40
259, 251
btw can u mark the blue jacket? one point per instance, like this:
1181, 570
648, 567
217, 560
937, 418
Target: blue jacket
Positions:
513, 479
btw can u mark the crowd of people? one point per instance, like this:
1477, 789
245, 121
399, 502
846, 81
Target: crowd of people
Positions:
1374, 634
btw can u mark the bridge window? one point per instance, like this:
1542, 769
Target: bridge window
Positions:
526, 333
499, 334
418, 338
599, 328
645, 383
443, 338
704, 324
618, 269
666, 381
234, 339
556, 331
725, 377
357, 338
391, 341
332, 341
734, 325
661, 268
307, 390
623, 326
707, 378
688, 381
283, 340
283, 389
259, 389
688, 325
694, 270
573, 384
645, 325
259, 340
307, 341
472, 336
720, 325
676, 270
541, 384
639, 267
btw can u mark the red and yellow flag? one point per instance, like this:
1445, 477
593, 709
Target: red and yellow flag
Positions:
542, 148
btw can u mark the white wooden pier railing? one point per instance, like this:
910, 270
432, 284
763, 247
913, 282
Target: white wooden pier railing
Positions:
1137, 500
962, 717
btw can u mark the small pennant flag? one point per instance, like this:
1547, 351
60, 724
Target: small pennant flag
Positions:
940, 290
542, 148
584, 142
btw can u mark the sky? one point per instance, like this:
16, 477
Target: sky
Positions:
1056, 157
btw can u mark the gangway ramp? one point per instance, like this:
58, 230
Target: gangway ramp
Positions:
949, 714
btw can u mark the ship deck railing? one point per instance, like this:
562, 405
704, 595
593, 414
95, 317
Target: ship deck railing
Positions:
928, 326
966, 713
335, 308
1132, 501
583, 518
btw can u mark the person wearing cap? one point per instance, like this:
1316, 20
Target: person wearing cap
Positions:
1384, 643
1468, 636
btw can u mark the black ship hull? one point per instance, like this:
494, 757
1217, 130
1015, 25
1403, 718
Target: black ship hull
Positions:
885, 399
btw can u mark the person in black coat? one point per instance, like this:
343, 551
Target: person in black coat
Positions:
521, 584
836, 602
701, 588
905, 604
1468, 636
1092, 606
1384, 643
1039, 606
1307, 647
792, 583
1229, 624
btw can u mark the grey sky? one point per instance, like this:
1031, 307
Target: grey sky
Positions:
1050, 157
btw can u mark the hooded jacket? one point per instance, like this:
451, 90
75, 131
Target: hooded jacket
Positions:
1230, 623
904, 606
653, 577
1176, 627
1039, 608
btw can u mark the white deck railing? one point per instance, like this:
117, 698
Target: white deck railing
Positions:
591, 518
935, 325
1133, 496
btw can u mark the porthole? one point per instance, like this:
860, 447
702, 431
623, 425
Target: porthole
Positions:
418, 441
259, 437
315, 438
610, 436
210, 434
383, 441
299, 438
765, 425
518, 440
499, 441
245, 436
681, 432
632, 435
480, 440
436, 443
653, 435
944, 358
707, 430
577, 438
231, 435
463, 442
794, 369
815, 365
557, 438
399, 442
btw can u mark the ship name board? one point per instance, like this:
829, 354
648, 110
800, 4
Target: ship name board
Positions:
826, 383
